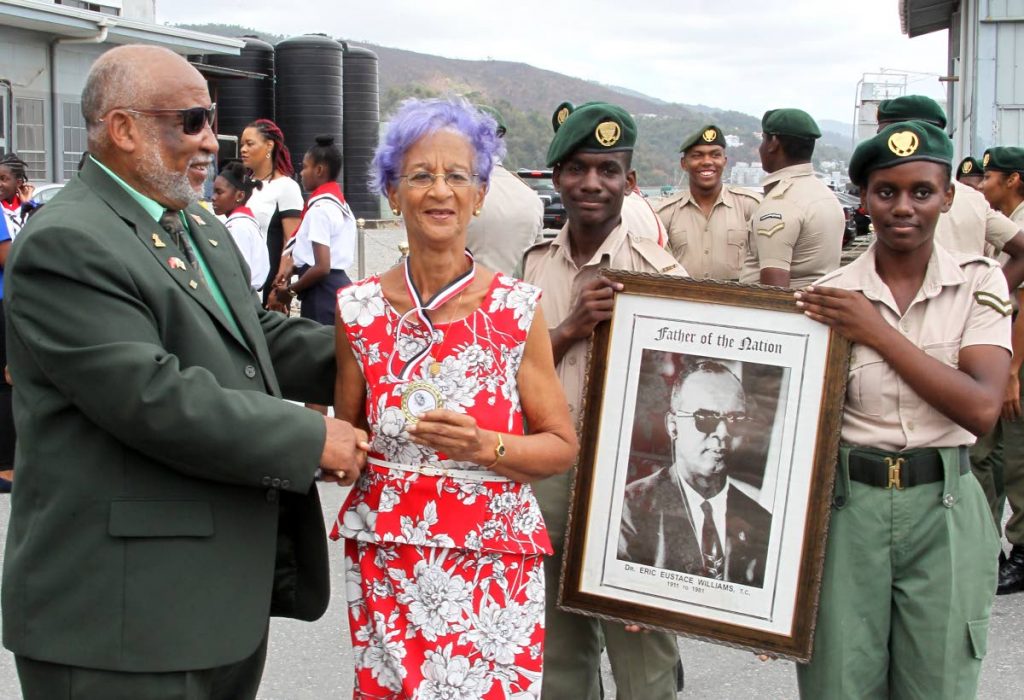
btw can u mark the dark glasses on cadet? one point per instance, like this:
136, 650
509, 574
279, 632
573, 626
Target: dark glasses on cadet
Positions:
193, 119
707, 421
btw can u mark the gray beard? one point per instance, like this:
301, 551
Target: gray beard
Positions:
175, 187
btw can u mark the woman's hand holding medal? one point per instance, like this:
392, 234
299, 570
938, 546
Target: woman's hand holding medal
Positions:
455, 434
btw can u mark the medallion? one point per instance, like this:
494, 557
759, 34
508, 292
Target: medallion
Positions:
418, 398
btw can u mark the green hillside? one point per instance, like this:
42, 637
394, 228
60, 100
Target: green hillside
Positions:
526, 96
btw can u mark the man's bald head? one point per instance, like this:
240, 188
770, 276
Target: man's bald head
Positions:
133, 104
128, 76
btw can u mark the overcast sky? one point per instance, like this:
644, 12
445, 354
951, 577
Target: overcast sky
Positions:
747, 55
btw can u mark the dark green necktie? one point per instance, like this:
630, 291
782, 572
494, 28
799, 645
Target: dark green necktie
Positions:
171, 222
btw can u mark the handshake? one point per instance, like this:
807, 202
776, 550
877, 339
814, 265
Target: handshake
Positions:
344, 454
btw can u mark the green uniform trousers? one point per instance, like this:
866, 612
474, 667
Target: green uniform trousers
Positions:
906, 593
643, 664
987, 465
238, 681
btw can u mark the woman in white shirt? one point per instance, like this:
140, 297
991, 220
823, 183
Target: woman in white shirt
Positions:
326, 240
278, 205
231, 191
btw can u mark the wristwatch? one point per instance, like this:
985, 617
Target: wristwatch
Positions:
499, 451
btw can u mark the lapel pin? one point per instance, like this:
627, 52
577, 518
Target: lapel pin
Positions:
213, 243
198, 219
157, 242
193, 284
176, 263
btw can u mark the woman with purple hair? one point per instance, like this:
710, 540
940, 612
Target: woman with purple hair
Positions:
444, 540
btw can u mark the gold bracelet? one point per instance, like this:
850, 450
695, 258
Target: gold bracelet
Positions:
499, 451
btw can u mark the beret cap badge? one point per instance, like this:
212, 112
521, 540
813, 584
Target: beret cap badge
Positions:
903, 143
562, 115
967, 167
988, 157
607, 133
709, 135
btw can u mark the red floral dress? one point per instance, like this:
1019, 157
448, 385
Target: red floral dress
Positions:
443, 575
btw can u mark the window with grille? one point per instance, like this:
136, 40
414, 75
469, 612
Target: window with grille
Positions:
30, 136
74, 137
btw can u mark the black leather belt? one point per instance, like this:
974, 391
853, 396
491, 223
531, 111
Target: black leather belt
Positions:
900, 470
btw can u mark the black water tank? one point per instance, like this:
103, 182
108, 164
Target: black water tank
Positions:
243, 100
309, 92
362, 126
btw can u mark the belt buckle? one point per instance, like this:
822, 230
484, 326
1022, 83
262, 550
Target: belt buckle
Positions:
428, 470
894, 472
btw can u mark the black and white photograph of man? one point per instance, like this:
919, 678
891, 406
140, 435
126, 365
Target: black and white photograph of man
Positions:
693, 500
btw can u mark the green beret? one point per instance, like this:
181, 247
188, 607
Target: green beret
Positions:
496, 116
902, 142
1005, 159
909, 107
596, 127
790, 122
560, 114
707, 135
969, 166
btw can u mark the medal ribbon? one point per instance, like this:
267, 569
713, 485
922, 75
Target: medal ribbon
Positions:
447, 292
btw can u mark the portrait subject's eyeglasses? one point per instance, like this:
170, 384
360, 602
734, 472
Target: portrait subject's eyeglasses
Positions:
707, 421
422, 179
193, 119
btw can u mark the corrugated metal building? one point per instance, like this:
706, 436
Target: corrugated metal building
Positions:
46, 50
986, 63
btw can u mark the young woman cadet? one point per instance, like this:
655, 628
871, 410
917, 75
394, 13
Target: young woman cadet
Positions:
910, 568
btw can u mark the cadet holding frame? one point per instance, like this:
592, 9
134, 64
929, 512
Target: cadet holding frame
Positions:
910, 565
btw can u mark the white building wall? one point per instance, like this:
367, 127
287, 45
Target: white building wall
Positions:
986, 48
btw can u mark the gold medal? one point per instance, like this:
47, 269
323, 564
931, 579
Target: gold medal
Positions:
418, 398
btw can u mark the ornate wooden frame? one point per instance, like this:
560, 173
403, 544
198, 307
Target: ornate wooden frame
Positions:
797, 643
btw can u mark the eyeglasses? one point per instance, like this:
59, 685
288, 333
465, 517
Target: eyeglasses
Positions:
422, 179
193, 119
707, 421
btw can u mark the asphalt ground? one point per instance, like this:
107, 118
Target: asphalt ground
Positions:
313, 661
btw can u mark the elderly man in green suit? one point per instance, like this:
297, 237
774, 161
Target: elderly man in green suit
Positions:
165, 504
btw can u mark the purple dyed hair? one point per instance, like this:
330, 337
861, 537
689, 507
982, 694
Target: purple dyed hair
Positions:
418, 118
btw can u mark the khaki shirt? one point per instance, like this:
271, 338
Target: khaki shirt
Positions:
797, 227
953, 309
510, 221
971, 223
639, 218
715, 247
550, 267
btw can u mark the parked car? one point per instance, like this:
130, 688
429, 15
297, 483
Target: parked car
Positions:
44, 193
541, 183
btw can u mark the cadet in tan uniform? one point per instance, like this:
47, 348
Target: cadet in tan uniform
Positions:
637, 213
796, 234
970, 173
970, 223
591, 155
511, 219
910, 567
1001, 473
707, 223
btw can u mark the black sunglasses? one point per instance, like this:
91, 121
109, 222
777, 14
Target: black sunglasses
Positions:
707, 421
193, 119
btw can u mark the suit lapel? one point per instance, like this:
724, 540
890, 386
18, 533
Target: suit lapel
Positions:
158, 242
682, 541
218, 250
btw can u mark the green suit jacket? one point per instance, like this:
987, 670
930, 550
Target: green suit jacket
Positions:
165, 504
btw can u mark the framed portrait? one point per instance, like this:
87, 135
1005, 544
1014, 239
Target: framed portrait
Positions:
710, 434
